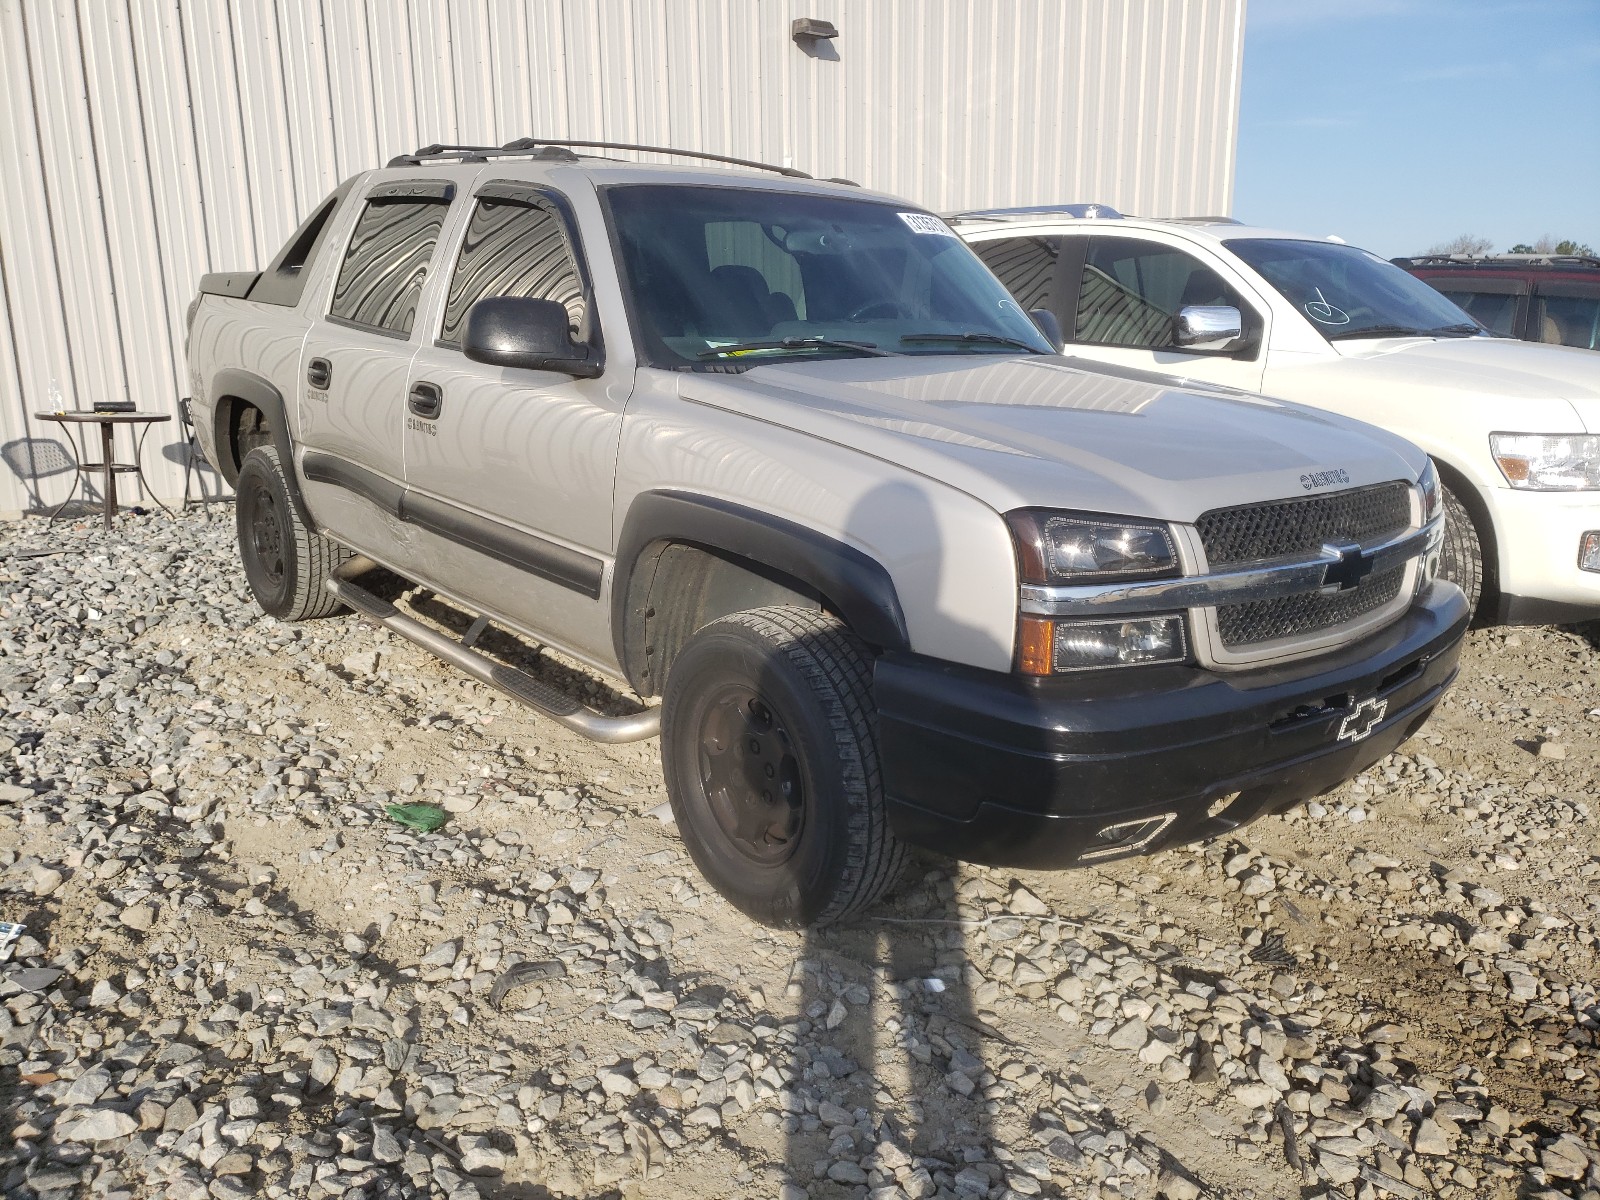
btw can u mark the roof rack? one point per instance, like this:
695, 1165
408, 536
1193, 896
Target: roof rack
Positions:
560, 148
1473, 260
1207, 220
1036, 210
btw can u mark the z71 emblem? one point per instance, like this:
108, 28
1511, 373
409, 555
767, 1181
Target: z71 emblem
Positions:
1362, 719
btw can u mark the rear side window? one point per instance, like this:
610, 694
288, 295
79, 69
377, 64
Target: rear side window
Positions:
1568, 315
1026, 265
512, 249
384, 269
1131, 290
1494, 311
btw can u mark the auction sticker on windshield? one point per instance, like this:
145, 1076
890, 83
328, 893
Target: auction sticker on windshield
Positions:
924, 223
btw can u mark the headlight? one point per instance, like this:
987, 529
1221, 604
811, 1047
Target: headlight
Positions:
1548, 462
1432, 496
1084, 645
1054, 549
1066, 548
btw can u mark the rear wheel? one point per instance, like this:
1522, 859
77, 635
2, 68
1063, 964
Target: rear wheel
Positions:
1461, 556
770, 754
286, 564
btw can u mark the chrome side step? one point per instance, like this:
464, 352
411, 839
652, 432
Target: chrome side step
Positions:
520, 686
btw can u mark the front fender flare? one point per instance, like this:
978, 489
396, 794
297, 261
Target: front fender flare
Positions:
856, 585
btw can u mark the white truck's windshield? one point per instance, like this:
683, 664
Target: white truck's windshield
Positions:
1347, 293
724, 275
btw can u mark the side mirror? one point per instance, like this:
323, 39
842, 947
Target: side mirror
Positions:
1208, 327
536, 335
1049, 326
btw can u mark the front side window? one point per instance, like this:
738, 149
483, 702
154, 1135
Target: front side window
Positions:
380, 283
720, 276
1131, 291
1349, 293
512, 249
1026, 265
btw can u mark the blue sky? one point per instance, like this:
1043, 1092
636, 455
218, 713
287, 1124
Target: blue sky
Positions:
1399, 124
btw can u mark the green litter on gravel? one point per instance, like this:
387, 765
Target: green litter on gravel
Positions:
424, 818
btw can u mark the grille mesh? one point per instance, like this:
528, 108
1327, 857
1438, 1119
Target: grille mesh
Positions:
1264, 620
1301, 526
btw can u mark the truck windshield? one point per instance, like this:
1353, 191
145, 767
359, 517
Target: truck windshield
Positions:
720, 276
1349, 293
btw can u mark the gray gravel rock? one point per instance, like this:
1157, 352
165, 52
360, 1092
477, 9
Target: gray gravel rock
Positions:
309, 1000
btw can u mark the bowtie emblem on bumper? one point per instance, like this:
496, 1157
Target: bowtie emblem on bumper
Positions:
1361, 720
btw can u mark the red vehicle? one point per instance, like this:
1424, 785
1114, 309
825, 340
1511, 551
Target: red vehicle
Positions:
1536, 297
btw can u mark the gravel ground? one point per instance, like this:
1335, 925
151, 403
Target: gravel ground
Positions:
240, 978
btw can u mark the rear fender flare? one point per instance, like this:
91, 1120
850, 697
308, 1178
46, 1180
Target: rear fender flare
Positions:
260, 394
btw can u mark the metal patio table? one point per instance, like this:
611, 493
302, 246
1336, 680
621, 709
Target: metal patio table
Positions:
108, 467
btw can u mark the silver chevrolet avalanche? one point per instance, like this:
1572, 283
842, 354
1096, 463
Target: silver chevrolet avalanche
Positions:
783, 453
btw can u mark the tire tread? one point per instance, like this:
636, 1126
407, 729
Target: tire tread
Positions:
1461, 556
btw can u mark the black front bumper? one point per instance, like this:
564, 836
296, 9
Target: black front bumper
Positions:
1061, 772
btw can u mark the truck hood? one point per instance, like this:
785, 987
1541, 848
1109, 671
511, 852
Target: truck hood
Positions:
1046, 431
1498, 367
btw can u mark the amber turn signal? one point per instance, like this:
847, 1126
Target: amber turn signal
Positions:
1035, 645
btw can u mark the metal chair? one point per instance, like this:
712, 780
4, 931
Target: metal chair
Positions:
194, 459
32, 459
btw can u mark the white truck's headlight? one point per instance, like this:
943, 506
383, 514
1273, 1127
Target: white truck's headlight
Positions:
1548, 462
1067, 548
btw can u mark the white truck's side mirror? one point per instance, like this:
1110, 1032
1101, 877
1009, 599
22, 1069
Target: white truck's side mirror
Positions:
1207, 327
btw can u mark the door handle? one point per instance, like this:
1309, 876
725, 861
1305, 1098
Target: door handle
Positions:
319, 373
426, 400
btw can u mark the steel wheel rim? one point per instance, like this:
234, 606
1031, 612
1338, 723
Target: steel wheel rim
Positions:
266, 535
750, 775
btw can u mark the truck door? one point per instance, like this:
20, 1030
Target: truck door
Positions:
510, 472
355, 361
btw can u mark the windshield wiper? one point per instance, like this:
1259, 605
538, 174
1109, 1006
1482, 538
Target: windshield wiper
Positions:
1460, 329
797, 343
1377, 331
1402, 331
974, 338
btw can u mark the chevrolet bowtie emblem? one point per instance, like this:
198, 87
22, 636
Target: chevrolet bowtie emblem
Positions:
1353, 566
1366, 716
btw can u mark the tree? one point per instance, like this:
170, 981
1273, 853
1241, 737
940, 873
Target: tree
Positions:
1467, 243
1548, 245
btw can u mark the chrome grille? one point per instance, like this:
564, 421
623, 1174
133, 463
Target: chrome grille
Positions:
1305, 524
1309, 612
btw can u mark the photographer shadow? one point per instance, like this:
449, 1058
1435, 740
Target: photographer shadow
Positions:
890, 1080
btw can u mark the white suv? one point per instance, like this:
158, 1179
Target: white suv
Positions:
1514, 427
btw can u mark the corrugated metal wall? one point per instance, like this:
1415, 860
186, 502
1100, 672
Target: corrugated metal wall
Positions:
143, 142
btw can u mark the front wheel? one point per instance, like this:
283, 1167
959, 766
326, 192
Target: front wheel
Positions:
1461, 556
769, 748
286, 564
